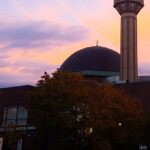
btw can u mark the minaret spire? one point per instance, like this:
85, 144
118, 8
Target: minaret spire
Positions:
128, 9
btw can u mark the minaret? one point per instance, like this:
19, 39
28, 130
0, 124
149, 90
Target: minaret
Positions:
128, 9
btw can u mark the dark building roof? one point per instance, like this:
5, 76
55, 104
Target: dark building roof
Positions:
140, 90
15, 95
94, 59
21, 95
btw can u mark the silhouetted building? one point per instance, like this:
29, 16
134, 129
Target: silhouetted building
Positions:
15, 116
96, 63
128, 9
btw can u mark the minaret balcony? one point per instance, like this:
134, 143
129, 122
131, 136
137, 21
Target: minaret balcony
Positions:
128, 6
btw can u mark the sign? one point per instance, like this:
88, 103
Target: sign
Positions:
143, 147
1, 143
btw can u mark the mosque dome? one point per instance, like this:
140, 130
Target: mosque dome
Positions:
96, 60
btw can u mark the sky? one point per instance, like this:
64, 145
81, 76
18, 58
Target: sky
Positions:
38, 35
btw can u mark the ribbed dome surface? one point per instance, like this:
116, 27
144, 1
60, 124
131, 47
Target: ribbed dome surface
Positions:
94, 58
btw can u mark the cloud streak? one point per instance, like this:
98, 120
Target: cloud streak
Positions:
37, 36
28, 72
40, 34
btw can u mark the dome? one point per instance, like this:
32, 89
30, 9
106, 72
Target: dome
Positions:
94, 60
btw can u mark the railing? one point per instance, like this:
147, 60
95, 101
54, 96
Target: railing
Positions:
17, 128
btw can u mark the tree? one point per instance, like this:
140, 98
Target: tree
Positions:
74, 113
11, 137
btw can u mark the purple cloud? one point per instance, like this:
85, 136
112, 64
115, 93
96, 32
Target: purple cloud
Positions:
144, 69
40, 34
22, 69
26, 73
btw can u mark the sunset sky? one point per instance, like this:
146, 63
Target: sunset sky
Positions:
38, 35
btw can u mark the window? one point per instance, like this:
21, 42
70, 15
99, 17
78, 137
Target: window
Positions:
132, 4
14, 115
123, 5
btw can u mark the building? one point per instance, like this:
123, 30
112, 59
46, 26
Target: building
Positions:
103, 65
16, 117
94, 63
128, 9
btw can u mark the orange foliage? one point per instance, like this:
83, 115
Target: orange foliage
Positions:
67, 100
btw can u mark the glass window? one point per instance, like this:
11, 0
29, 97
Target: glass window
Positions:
4, 117
22, 116
14, 115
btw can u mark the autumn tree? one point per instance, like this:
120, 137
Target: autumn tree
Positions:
73, 113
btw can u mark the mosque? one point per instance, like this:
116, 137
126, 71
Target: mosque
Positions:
95, 63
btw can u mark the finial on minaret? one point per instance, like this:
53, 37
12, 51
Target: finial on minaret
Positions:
97, 42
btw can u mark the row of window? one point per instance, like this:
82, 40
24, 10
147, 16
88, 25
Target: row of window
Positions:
14, 115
